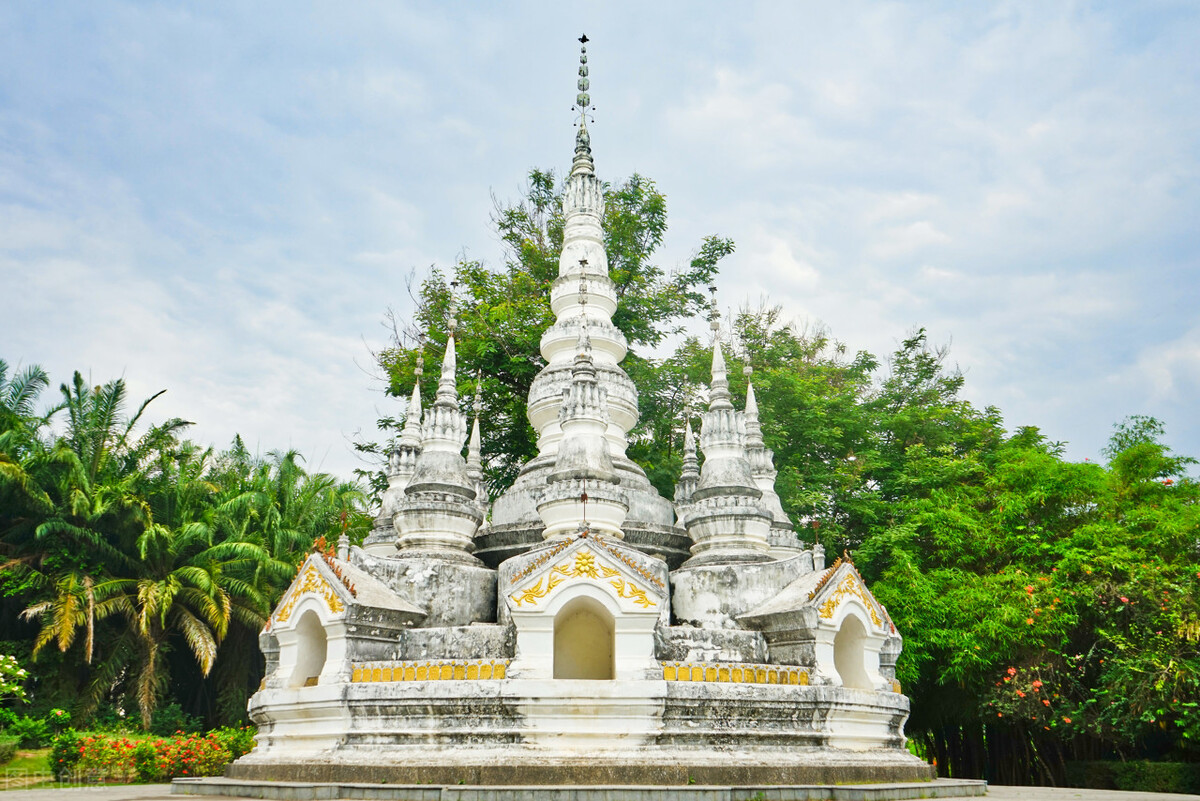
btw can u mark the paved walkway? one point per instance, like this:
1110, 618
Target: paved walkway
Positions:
162, 792
1072, 794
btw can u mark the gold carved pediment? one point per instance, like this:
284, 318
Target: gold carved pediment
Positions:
309, 582
851, 586
584, 565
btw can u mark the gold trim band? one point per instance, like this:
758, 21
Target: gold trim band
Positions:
735, 673
457, 670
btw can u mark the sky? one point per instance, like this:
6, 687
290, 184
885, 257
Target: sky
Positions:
224, 200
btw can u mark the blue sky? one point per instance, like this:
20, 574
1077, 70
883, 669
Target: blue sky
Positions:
224, 199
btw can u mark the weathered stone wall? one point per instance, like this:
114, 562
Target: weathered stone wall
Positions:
690, 644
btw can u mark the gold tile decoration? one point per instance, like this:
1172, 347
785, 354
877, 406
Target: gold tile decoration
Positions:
430, 670
312, 581
896, 686
585, 566
735, 673
850, 585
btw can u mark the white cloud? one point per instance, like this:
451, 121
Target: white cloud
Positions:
224, 202
1171, 370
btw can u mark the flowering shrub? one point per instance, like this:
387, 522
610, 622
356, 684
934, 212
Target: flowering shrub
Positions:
12, 678
238, 741
102, 757
58, 719
64, 753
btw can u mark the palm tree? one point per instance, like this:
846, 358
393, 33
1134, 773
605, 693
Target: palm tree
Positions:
275, 506
20, 424
98, 534
24, 502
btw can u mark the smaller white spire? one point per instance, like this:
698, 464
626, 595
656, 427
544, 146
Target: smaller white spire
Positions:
689, 475
751, 400
782, 538
402, 463
475, 445
440, 513
447, 391
719, 397
411, 433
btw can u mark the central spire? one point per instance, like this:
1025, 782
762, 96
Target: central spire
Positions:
583, 350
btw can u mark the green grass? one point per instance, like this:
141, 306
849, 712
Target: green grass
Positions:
29, 768
30, 759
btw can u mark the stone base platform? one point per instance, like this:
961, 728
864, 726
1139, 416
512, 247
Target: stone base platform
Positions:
598, 769
296, 791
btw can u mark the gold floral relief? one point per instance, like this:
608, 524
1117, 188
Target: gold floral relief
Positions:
311, 582
531, 595
628, 591
849, 586
585, 565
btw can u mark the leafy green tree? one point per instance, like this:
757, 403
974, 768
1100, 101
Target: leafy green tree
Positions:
139, 555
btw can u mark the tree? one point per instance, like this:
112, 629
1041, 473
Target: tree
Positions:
145, 562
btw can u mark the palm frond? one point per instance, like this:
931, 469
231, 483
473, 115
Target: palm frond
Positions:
198, 636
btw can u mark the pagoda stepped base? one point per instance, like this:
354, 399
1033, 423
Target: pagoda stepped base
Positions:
566, 732
652, 767
303, 791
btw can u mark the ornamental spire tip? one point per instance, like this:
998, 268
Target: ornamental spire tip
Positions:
583, 102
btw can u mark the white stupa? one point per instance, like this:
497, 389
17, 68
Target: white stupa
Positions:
591, 631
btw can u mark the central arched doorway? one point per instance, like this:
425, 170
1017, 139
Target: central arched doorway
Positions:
583, 641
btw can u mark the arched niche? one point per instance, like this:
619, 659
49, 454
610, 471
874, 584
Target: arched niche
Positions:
849, 653
584, 640
311, 650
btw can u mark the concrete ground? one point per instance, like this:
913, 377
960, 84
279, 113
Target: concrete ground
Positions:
1073, 794
162, 792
